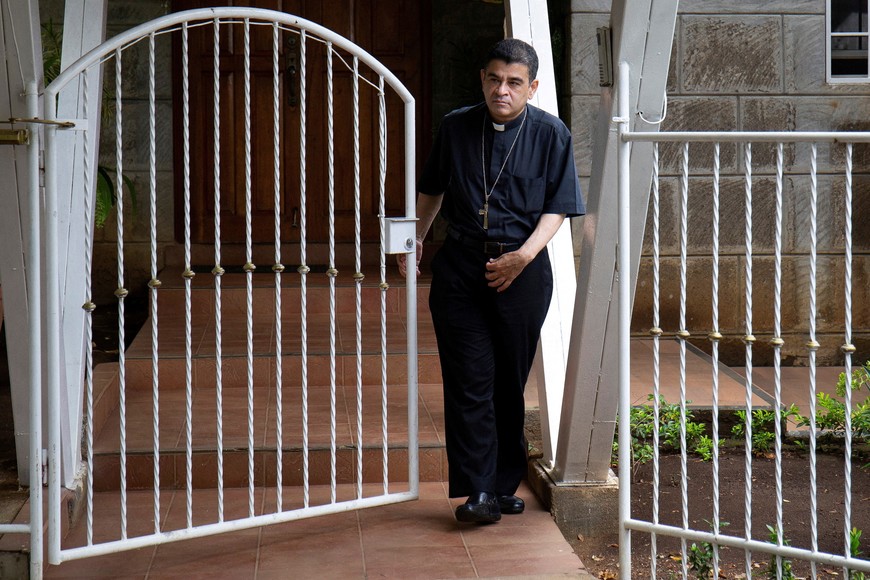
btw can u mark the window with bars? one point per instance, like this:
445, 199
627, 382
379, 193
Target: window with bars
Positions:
847, 40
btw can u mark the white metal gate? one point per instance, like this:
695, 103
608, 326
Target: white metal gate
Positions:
61, 135
749, 541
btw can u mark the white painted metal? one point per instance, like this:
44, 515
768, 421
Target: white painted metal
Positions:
528, 20
746, 542
34, 290
748, 340
220, 19
623, 266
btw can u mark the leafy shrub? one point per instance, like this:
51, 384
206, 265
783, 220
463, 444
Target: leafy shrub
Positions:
642, 424
763, 433
831, 412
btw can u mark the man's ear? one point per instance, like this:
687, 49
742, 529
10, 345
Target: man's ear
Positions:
482, 75
532, 88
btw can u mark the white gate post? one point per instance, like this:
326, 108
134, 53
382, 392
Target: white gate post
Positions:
643, 33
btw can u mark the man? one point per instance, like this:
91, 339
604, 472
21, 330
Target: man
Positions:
502, 174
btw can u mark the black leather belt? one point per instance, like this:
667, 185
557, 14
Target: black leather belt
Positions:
488, 247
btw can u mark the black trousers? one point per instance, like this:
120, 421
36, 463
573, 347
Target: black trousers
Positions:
486, 343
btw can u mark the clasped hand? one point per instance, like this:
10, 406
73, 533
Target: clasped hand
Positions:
502, 271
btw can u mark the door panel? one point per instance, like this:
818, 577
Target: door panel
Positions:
393, 31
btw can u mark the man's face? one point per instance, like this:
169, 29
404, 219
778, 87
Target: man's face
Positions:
507, 89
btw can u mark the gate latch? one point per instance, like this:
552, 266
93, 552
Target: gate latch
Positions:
400, 235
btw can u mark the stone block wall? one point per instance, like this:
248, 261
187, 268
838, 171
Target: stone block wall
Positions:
756, 65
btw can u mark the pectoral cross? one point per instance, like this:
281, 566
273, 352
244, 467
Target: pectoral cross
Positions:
485, 213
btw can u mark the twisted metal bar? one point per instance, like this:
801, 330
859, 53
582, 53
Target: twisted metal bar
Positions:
121, 293
89, 321
656, 333
249, 266
278, 268
777, 353
382, 186
188, 278
748, 340
714, 338
847, 351
218, 271
303, 268
683, 335
330, 163
812, 345
155, 283
358, 278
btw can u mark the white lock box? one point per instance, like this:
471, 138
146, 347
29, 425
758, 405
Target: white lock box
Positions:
400, 235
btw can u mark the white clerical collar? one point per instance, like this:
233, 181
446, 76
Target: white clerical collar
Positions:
498, 127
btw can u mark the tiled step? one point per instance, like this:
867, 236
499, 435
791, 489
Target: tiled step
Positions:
326, 334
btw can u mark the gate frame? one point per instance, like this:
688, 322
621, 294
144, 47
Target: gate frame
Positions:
51, 292
625, 138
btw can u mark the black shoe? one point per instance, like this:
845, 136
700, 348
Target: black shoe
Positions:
511, 504
481, 508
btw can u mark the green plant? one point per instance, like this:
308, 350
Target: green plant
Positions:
642, 425
782, 570
763, 424
854, 550
106, 196
831, 412
700, 558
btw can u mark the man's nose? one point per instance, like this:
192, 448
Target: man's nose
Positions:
502, 88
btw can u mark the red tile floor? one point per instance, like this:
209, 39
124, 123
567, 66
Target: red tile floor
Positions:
418, 539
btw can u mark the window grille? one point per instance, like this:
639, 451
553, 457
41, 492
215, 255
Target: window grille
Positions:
847, 40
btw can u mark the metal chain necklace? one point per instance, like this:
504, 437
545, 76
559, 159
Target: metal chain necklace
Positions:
484, 211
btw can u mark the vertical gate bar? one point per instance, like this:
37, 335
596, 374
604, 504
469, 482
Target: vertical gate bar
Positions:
411, 305
847, 351
382, 187
34, 348
683, 335
188, 278
748, 340
52, 331
715, 337
218, 270
656, 332
777, 342
154, 283
358, 278
89, 322
624, 301
278, 268
812, 346
303, 267
249, 268
330, 141
121, 292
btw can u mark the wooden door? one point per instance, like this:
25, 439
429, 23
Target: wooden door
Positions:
394, 31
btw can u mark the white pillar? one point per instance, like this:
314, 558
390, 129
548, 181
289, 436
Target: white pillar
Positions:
643, 33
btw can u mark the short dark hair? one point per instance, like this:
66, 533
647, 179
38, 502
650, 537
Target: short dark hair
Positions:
514, 50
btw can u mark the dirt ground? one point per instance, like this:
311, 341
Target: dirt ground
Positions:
601, 556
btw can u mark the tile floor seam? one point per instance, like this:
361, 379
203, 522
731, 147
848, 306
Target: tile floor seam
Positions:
362, 547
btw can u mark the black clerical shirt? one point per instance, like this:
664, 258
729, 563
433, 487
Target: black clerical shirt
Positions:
538, 177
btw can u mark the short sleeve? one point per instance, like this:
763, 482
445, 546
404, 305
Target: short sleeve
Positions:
563, 186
